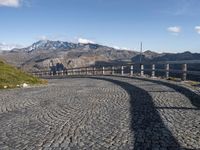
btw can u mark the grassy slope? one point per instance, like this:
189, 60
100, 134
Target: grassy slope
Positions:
11, 77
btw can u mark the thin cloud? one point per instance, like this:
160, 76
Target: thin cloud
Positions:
197, 28
182, 7
60, 37
174, 30
10, 3
120, 48
5, 46
116, 47
43, 37
125, 48
85, 41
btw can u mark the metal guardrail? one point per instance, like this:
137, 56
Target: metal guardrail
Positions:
130, 69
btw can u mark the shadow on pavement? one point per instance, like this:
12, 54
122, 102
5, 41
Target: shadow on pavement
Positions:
147, 126
193, 97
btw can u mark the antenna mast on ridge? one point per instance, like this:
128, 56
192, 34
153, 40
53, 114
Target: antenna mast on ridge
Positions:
141, 52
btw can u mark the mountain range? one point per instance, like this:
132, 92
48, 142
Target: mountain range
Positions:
45, 53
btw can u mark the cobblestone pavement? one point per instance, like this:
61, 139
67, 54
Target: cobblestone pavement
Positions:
98, 113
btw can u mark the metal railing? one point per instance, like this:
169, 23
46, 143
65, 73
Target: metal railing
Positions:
163, 69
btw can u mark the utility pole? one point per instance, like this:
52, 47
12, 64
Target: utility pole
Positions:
141, 52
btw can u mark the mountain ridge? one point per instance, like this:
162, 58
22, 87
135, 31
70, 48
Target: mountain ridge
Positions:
44, 53
54, 45
40, 54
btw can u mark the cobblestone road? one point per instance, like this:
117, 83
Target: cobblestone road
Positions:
98, 113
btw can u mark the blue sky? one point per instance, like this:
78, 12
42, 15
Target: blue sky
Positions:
162, 25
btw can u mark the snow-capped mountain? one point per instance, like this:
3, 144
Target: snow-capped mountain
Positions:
58, 45
39, 55
47, 44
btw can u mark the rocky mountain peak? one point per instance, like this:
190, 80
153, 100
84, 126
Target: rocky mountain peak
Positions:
47, 45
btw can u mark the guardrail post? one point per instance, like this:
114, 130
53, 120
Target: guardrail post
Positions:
86, 71
66, 72
94, 69
103, 70
131, 70
78, 73
122, 70
113, 70
70, 72
141, 70
74, 71
184, 72
167, 71
153, 71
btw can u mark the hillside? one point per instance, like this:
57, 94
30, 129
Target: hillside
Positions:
11, 77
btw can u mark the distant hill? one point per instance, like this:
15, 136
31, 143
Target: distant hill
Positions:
11, 77
149, 56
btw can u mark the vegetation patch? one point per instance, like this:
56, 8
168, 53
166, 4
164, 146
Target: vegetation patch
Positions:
174, 79
11, 77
